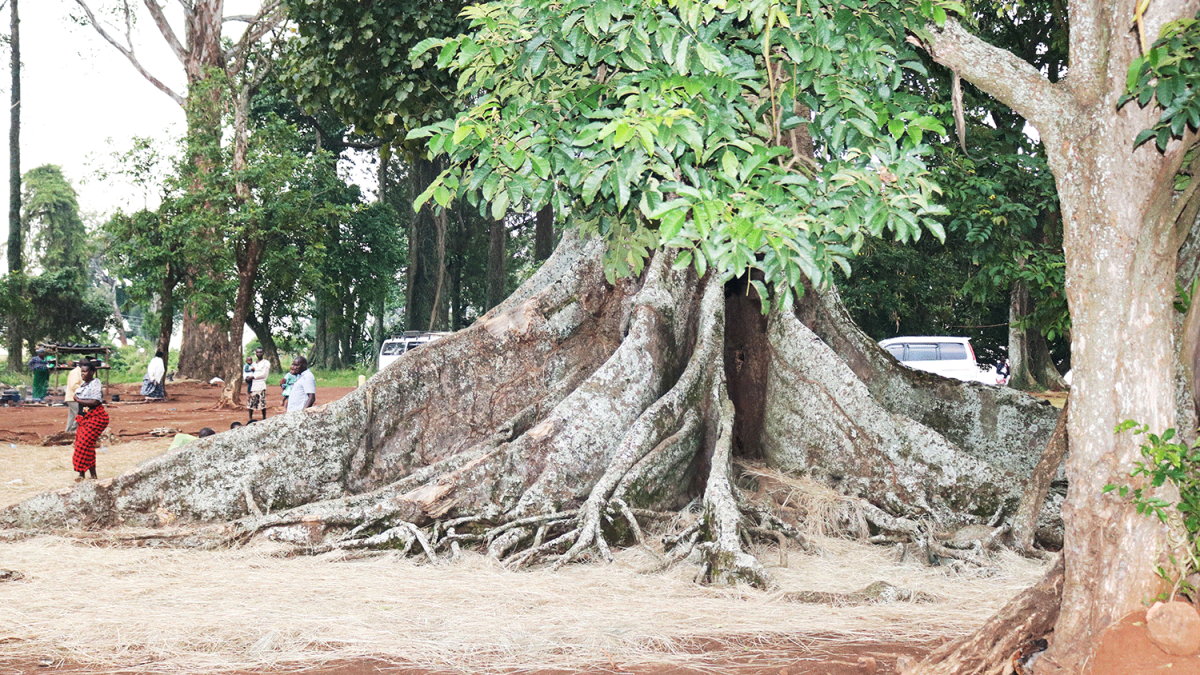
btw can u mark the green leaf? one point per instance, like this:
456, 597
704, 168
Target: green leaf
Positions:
500, 205
591, 184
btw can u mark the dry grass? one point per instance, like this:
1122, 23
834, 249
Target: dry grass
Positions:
194, 611
808, 505
28, 470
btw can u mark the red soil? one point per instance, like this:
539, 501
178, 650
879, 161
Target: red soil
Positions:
189, 407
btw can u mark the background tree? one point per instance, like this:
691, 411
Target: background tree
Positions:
59, 302
15, 263
353, 58
210, 67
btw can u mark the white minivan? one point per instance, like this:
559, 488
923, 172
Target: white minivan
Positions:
945, 356
394, 347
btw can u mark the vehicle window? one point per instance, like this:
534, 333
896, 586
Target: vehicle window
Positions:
953, 351
393, 348
922, 352
896, 351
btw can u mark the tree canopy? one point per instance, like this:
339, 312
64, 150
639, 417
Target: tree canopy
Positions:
689, 125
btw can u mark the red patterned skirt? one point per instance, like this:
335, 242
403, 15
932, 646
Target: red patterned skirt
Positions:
91, 425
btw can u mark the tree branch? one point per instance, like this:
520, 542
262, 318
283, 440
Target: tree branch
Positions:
128, 52
1009, 79
269, 16
168, 33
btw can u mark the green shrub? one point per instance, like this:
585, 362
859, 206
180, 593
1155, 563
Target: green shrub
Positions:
1167, 459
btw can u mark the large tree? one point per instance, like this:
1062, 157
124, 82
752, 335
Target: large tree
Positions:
216, 73
15, 361
707, 186
1121, 234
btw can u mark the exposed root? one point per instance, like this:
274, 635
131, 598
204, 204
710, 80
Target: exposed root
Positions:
724, 560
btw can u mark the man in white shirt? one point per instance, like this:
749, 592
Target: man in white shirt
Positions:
258, 385
74, 379
304, 391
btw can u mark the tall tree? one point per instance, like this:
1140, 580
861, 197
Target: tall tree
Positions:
55, 235
59, 302
15, 360
711, 158
209, 343
1121, 235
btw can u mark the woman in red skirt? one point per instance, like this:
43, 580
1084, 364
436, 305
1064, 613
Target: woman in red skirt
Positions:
92, 420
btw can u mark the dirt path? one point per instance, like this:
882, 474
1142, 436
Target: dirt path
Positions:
190, 406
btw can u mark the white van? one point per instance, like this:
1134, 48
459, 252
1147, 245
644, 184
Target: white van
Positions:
945, 356
394, 347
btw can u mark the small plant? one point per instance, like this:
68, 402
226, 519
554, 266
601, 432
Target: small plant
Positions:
1167, 459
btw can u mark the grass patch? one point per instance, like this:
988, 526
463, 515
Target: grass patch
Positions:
341, 378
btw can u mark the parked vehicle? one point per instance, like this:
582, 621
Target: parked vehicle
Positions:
945, 356
394, 347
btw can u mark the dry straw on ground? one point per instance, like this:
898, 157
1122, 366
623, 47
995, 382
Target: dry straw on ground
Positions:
28, 470
197, 611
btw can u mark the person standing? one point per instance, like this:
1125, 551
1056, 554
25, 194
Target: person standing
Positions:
258, 384
92, 421
74, 379
152, 384
286, 382
41, 374
304, 389
248, 374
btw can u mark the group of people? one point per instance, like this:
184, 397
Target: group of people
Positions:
88, 419
299, 385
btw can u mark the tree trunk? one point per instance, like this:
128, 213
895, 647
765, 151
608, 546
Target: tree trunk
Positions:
495, 262
1122, 330
543, 233
205, 351
318, 355
118, 319
573, 412
1121, 250
166, 317
15, 358
1029, 356
262, 331
424, 262
248, 263
1025, 522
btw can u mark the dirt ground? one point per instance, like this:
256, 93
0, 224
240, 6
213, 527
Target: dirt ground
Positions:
84, 606
137, 431
190, 406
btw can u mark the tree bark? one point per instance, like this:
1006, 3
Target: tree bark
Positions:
166, 317
15, 264
497, 233
1029, 356
543, 233
205, 350
262, 331
1025, 522
426, 260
